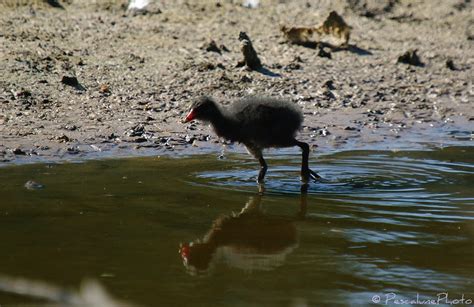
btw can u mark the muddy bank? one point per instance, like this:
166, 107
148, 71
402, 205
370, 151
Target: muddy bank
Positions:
91, 80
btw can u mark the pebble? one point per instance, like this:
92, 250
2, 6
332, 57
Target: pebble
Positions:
324, 54
19, 151
73, 150
69, 80
33, 185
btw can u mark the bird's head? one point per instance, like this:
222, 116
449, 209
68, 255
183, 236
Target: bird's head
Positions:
204, 108
196, 256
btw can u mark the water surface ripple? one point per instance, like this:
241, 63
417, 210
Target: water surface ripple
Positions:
195, 230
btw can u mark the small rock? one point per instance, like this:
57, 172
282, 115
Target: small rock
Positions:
137, 130
73, 150
293, 66
276, 66
71, 81
329, 85
251, 4
33, 185
22, 94
411, 58
191, 126
19, 152
63, 138
189, 139
324, 132
212, 47
371, 8
140, 139
246, 79
138, 4
104, 89
450, 65
329, 94
143, 7
70, 127
204, 66
324, 54
204, 138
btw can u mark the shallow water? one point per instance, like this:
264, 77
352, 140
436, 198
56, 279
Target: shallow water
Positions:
380, 223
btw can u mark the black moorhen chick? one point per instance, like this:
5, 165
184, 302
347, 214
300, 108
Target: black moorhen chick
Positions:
257, 123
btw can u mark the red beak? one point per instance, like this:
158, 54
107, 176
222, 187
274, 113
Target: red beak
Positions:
184, 251
191, 115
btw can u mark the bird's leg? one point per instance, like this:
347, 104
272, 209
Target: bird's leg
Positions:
257, 153
303, 201
306, 172
263, 169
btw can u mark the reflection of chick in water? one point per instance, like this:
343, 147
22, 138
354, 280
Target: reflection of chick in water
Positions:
249, 240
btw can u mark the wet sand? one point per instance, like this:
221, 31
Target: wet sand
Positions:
137, 73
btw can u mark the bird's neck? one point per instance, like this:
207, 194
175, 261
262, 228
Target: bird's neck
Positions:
223, 123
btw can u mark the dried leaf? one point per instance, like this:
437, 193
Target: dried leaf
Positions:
336, 26
297, 35
104, 88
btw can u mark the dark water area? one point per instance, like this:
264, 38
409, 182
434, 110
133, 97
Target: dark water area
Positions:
195, 230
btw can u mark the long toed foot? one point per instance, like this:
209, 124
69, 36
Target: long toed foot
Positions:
307, 174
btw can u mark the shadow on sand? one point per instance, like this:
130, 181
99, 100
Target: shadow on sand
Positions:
349, 47
265, 71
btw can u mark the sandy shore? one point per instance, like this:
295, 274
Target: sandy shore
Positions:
136, 75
